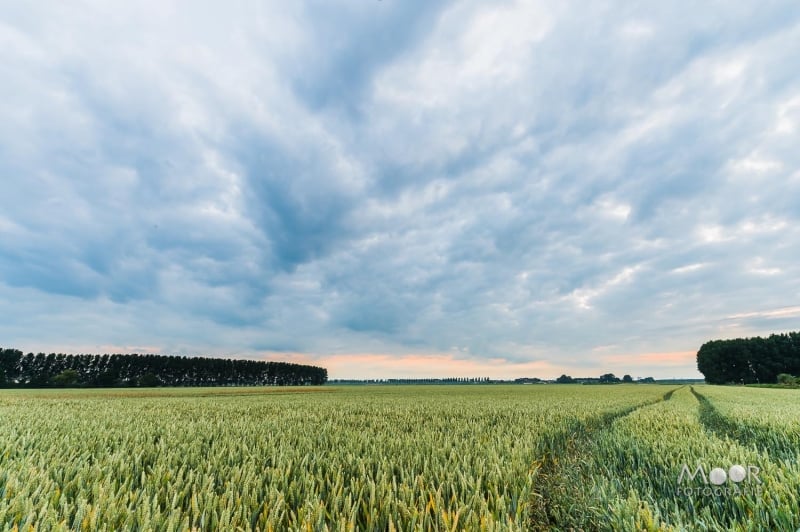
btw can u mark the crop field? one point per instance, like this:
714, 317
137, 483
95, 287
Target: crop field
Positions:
480, 457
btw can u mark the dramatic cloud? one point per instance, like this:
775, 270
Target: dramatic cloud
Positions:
400, 188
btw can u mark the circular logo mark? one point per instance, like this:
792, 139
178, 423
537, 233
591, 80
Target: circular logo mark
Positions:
737, 473
717, 476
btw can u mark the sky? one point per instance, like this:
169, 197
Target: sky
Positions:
397, 189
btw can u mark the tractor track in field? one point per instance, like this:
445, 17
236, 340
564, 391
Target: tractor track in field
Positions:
561, 449
747, 435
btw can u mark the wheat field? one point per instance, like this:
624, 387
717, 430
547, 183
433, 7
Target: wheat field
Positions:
469, 457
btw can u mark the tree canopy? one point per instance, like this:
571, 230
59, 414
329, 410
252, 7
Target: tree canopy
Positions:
41, 370
750, 360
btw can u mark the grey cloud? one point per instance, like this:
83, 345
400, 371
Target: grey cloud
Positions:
509, 180
353, 40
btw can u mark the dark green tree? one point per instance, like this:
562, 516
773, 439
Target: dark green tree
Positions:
134, 370
149, 380
68, 377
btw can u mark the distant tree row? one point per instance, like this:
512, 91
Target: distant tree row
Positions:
750, 360
41, 370
606, 378
444, 380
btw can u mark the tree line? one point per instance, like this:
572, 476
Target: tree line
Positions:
750, 360
443, 380
606, 378
41, 370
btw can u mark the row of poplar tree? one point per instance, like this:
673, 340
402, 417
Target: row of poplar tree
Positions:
41, 370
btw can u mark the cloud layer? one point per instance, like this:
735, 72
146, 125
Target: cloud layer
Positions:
507, 188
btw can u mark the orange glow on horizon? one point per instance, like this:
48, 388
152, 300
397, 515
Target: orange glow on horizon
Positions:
673, 358
440, 365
